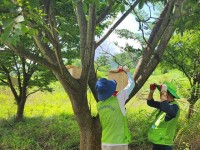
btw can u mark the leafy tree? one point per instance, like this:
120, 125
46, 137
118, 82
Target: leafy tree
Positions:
190, 19
183, 53
23, 77
102, 63
38, 21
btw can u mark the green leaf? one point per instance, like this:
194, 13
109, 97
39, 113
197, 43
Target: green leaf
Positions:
141, 4
189, 23
24, 29
8, 22
33, 32
85, 7
14, 41
33, 3
122, 8
19, 19
6, 33
18, 26
97, 3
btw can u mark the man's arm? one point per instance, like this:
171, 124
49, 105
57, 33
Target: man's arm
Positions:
153, 103
150, 100
170, 109
123, 95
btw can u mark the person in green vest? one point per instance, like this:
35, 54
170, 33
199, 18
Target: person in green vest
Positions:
112, 112
162, 132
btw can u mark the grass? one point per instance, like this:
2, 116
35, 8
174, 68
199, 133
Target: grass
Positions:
49, 123
40, 133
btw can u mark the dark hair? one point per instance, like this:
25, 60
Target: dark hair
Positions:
170, 94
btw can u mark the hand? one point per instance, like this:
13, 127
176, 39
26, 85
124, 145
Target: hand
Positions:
120, 69
152, 87
125, 69
163, 88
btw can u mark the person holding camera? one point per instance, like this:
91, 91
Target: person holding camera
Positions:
162, 131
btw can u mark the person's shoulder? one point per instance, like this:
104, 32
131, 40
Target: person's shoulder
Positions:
174, 104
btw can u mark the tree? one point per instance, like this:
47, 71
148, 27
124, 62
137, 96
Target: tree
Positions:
39, 22
23, 77
191, 18
183, 53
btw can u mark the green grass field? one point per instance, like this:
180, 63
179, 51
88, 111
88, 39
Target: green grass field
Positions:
49, 123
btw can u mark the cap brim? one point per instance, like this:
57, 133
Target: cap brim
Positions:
172, 92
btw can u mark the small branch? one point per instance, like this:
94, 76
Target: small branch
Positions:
44, 48
117, 23
33, 92
31, 56
81, 20
6, 83
140, 25
54, 37
105, 12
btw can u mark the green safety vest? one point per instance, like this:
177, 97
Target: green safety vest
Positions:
162, 132
113, 122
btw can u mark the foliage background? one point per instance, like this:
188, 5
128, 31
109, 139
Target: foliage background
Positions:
49, 122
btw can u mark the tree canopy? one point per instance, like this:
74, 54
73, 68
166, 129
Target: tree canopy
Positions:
55, 31
183, 53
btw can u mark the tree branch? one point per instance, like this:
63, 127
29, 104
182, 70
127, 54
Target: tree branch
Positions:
88, 57
117, 23
48, 9
82, 22
30, 56
152, 63
105, 12
154, 38
44, 48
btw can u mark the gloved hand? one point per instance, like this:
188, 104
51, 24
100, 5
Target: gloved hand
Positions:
123, 68
152, 87
120, 69
163, 88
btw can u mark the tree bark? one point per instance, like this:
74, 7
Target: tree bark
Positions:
20, 110
90, 129
90, 134
194, 95
190, 110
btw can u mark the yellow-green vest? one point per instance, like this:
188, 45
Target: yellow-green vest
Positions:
113, 122
162, 132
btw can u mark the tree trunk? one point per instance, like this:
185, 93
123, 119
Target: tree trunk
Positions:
90, 129
90, 134
20, 110
190, 110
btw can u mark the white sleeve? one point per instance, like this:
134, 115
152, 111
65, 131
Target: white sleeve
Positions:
123, 95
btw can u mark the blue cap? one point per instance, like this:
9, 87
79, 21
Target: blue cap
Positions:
105, 88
